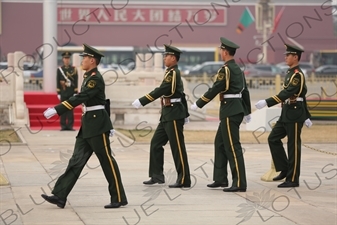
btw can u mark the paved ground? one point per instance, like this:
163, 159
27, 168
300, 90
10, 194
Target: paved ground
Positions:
32, 167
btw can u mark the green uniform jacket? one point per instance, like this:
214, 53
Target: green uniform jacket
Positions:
71, 73
171, 87
92, 93
294, 86
230, 80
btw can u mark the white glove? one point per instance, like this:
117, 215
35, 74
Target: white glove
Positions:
187, 120
136, 104
194, 106
308, 123
112, 132
247, 118
50, 112
260, 104
59, 97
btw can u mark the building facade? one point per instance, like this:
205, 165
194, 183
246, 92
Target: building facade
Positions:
154, 23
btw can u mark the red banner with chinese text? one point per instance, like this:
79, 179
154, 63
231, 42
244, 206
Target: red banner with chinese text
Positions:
212, 15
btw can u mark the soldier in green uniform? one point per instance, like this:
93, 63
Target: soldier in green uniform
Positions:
170, 128
235, 106
294, 114
67, 79
93, 135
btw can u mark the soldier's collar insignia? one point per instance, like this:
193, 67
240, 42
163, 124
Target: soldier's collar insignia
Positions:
93, 74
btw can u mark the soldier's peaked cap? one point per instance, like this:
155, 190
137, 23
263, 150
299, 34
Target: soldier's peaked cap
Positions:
171, 50
91, 51
227, 44
291, 49
66, 54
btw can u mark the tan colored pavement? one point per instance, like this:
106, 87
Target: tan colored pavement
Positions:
31, 168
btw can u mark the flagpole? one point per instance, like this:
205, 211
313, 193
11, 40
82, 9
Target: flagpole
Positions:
266, 14
265, 34
264, 45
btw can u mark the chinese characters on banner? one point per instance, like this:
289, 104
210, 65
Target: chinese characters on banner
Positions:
142, 15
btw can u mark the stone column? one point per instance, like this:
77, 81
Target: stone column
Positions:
139, 62
76, 59
19, 103
158, 62
149, 62
11, 78
49, 45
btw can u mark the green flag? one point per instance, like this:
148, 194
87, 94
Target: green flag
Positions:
245, 20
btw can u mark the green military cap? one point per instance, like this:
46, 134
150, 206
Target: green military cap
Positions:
291, 49
66, 54
227, 44
91, 51
171, 50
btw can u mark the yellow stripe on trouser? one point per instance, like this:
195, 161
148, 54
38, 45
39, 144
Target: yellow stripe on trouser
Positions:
234, 155
180, 154
112, 167
295, 153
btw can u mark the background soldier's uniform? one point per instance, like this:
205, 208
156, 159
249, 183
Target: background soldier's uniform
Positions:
235, 104
294, 113
93, 136
171, 125
67, 119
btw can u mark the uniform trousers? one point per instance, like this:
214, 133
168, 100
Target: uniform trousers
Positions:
227, 148
84, 147
171, 131
292, 163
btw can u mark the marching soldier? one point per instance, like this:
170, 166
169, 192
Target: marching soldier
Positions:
235, 106
294, 114
93, 135
67, 79
170, 128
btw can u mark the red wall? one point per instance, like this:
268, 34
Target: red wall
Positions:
22, 30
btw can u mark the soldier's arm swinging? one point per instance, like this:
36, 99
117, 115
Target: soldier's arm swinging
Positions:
91, 88
293, 88
166, 88
222, 80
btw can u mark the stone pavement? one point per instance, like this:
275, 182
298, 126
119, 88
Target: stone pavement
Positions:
32, 167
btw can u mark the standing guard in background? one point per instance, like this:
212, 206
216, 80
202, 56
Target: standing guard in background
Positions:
67, 79
171, 126
294, 113
235, 106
